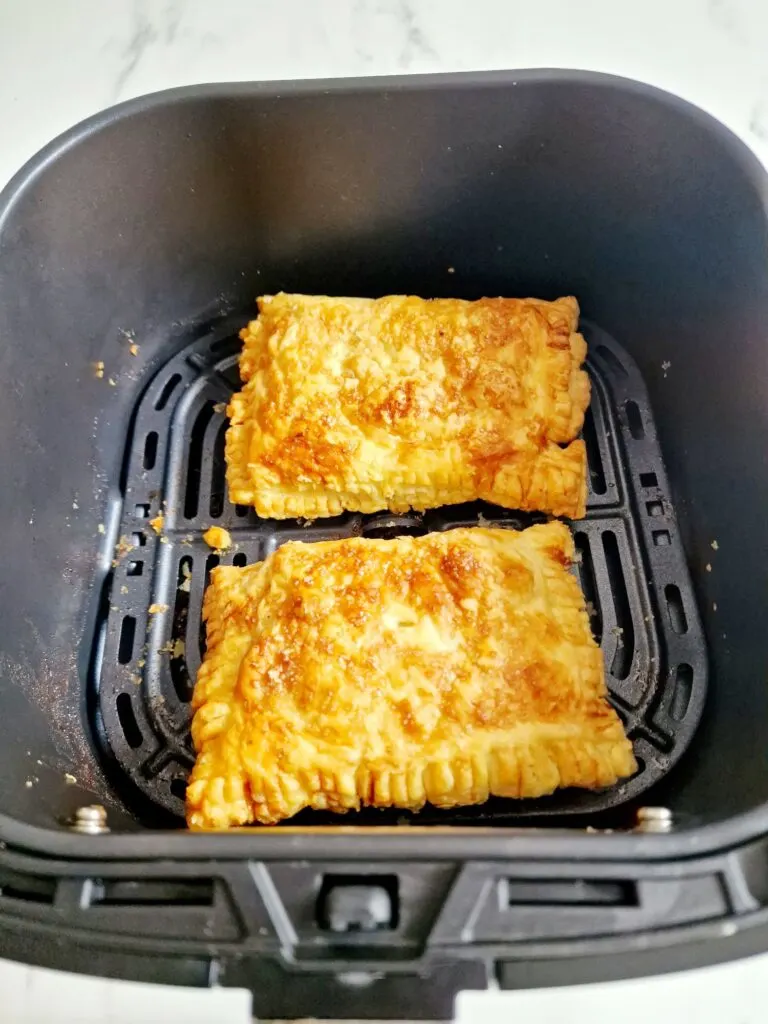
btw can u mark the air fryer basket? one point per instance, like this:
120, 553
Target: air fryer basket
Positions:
130, 251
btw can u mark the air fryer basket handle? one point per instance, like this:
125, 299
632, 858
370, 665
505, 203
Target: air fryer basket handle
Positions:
392, 931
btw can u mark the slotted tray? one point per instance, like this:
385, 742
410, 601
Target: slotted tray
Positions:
631, 566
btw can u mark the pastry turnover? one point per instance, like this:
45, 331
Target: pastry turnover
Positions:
368, 404
444, 668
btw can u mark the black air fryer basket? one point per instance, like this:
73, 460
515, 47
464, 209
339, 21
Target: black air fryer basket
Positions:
131, 251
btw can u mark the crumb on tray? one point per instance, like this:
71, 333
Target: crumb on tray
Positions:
155, 609
98, 369
157, 523
122, 548
186, 582
217, 538
714, 545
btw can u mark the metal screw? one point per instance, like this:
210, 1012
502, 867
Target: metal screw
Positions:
90, 820
654, 819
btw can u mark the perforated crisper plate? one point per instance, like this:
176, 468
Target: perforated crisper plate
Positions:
632, 569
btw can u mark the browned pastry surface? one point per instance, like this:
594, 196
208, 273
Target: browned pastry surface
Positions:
442, 668
368, 404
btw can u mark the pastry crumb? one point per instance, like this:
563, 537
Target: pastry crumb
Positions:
98, 369
179, 649
133, 348
156, 609
220, 408
112, 382
157, 523
186, 582
122, 548
217, 538
100, 528
123, 589
70, 779
714, 606
708, 567
451, 270
714, 545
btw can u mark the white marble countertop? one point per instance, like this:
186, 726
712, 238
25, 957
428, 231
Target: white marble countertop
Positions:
62, 60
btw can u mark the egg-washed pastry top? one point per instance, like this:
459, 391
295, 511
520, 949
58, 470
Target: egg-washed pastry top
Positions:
444, 668
402, 402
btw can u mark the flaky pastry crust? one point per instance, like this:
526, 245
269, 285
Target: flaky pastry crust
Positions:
402, 402
444, 668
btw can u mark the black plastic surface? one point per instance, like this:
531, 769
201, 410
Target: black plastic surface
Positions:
631, 566
458, 925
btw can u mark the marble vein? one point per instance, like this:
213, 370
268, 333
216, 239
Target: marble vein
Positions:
151, 24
